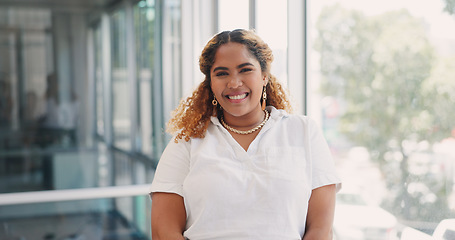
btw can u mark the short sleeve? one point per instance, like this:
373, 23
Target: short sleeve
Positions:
323, 166
172, 168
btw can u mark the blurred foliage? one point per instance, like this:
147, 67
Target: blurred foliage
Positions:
144, 24
395, 92
450, 6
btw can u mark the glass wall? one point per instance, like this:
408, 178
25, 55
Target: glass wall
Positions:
145, 22
41, 90
381, 82
142, 103
38, 107
41, 99
29, 101
121, 104
98, 79
123, 217
172, 57
103, 196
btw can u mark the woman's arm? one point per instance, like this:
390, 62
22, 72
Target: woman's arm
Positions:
168, 216
321, 208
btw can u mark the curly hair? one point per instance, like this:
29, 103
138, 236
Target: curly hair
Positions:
192, 117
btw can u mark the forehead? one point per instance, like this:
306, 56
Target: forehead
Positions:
233, 53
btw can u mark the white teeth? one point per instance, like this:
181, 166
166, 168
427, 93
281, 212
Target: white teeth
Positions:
237, 96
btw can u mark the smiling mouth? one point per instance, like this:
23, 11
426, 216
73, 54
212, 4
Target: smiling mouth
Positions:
237, 97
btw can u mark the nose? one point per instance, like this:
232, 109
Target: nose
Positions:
234, 82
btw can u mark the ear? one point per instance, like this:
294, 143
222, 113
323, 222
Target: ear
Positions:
265, 79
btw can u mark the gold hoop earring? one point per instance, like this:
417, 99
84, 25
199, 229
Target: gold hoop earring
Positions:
264, 98
214, 101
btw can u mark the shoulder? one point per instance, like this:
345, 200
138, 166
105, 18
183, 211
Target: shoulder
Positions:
282, 117
181, 145
176, 145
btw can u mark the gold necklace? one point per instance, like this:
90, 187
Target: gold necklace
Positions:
267, 115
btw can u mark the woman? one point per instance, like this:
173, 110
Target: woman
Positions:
241, 166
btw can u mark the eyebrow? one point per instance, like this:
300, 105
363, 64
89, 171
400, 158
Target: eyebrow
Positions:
239, 66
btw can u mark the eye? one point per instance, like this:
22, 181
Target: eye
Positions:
246, 70
221, 73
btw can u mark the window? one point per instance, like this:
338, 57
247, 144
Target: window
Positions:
226, 10
98, 81
171, 60
144, 16
120, 84
380, 77
272, 31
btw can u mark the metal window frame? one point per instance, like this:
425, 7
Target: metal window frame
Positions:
107, 78
296, 64
131, 65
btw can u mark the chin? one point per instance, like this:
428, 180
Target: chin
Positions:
238, 111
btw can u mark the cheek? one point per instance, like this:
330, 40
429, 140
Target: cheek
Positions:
216, 88
256, 85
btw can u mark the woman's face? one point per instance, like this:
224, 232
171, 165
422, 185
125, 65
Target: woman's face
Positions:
237, 80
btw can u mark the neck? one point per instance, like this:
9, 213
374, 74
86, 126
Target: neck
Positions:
246, 121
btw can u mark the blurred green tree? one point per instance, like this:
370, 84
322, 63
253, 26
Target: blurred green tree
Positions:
384, 70
450, 6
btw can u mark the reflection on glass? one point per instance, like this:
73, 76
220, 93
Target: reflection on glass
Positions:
99, 86
38, 108
381, 84
144, 17
37, 171
107, 218
120, 86
172, 58
91, 170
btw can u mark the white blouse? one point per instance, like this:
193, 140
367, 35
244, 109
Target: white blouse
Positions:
262, 193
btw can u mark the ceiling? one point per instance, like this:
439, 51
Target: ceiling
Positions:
59, 4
